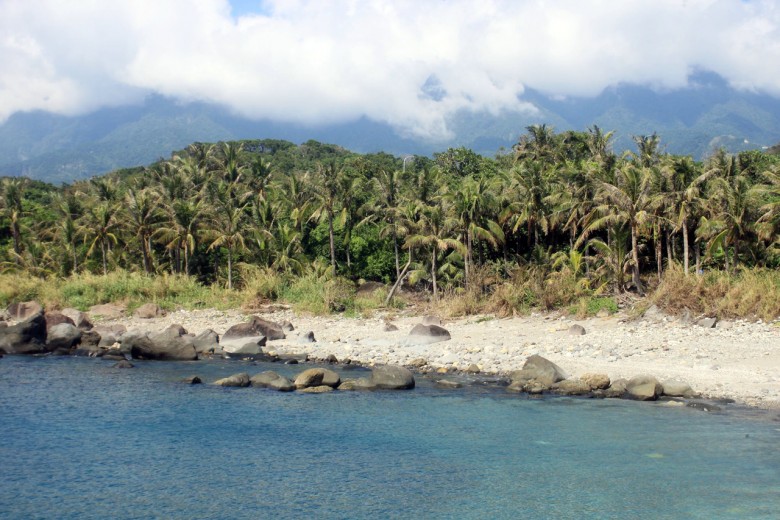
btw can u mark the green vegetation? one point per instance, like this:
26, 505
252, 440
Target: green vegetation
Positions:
561, 222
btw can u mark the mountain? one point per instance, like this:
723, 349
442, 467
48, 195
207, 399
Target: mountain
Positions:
691, 121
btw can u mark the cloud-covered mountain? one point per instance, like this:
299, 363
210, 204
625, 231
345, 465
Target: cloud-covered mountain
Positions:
694, 121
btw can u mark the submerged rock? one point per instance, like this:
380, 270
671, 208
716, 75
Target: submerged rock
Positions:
124, 364
192, 380
236, 380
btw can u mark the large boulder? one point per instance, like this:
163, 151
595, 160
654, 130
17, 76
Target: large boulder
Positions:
428, 334
596, 381
310, 377
165, 346
63, 336
148, 311
256, 326
270, 379
80, 319
571, 387
89, 345
20, 311
391, 377
644, 388
26, 337
108, 311
250, 346
538, 370
675, 388
207, 342
56, 318
239, 380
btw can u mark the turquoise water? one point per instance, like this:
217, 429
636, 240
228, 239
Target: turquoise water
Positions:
83, 440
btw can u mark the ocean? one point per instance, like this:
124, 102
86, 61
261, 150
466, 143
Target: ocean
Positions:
83, 440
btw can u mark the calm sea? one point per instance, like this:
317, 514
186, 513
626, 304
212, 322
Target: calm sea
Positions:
80, 440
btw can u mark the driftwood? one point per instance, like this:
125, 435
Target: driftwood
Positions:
398, 282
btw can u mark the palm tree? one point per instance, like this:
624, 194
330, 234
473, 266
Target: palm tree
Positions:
12, 209
143, 217
179, 231
227, 224
529, 185
387, 186
686, 182
326, 196
100, 228
65, 229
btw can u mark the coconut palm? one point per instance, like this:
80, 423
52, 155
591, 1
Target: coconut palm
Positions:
226, 225
100, 228
142, 209
11, 208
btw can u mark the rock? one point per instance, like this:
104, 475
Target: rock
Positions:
89, 341
577, 330
164, 346
653, 313
287, 326
308, 337
117, 329
540, 370
431, 320
172, 331
331, 359
418, 363
236, 380
55, 318
63, 336
473, 369
207, 342
389, 327
192, 380
21, 311
644, 388
291, 361
113, 354
347, 385
123, 364
322, 389
571, 387
282, 384
392, 377
707, 323
255, 327
675, 388
446, 383
421, 333
80, 319
270, 379
26, 337
108, 311
148, 311
317, 377
247, 346
704, 407
596, 381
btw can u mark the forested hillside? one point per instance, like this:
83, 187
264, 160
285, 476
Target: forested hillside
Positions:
557, 219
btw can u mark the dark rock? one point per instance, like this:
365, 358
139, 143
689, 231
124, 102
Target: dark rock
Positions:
23, 310
577, 330
207, 342
63, 336
26, 337
704, 407
308, 337
617, 389
389, 327
291, 361
298, 358
80, 319
113, 354
124, 364
429, 333
89, 339
238, 380
192, 380
55, 318
148, 311
256, 326
287, 326
331, 359
391, 377
644, 388
540, 370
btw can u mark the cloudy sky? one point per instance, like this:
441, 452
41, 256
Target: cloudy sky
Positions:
407, 63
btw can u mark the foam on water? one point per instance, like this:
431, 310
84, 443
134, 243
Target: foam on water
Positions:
83, 440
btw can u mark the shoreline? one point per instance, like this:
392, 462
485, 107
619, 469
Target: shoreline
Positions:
736, 360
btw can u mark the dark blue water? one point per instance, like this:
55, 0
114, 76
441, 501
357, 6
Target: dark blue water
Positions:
80, 439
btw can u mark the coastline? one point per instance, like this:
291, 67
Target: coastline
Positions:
736, 360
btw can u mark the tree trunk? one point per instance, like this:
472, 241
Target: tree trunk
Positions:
230, 269
697, 252
395, 251
467, 263
332, 243
685, 246
433, 274
669, 247
658, 251
635, 258
103, 251
145, 251
399, 280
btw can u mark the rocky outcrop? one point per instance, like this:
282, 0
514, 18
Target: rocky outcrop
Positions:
644, 388
123, 364
256, 326
273, 380
207, 342
537, 371
192, 380
391, 377
249, 346
168, 345
26, 337
421, 333
571, 387
63, 336
596, 381
675, 388
21, 311
80, 319
236, 380
56, 318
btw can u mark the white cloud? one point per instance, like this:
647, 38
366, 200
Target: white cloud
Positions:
324, 61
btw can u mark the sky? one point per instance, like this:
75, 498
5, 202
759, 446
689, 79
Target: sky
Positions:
411, 64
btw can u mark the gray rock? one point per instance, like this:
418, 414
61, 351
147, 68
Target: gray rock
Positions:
256, 326
281, 384
307, 337
108, 311
473, 369
391, 377
250, 346
331, 359
26, 337
270, 379
63, 336
124, 364
431, 320
164, 346
644, 388
56, 318
80, 319
113, 354
287, 326
236, 380
429, 333
540, 370
707, 323
596, 381
704, 407
207, 342
389, 327
89, 343
675, 388
317, 377
321, 389
148, 311
22, 311
447, 383
577, 330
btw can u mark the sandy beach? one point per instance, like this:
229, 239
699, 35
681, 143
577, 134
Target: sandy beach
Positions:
735, 359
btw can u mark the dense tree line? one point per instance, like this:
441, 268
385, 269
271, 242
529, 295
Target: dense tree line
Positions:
555, 199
